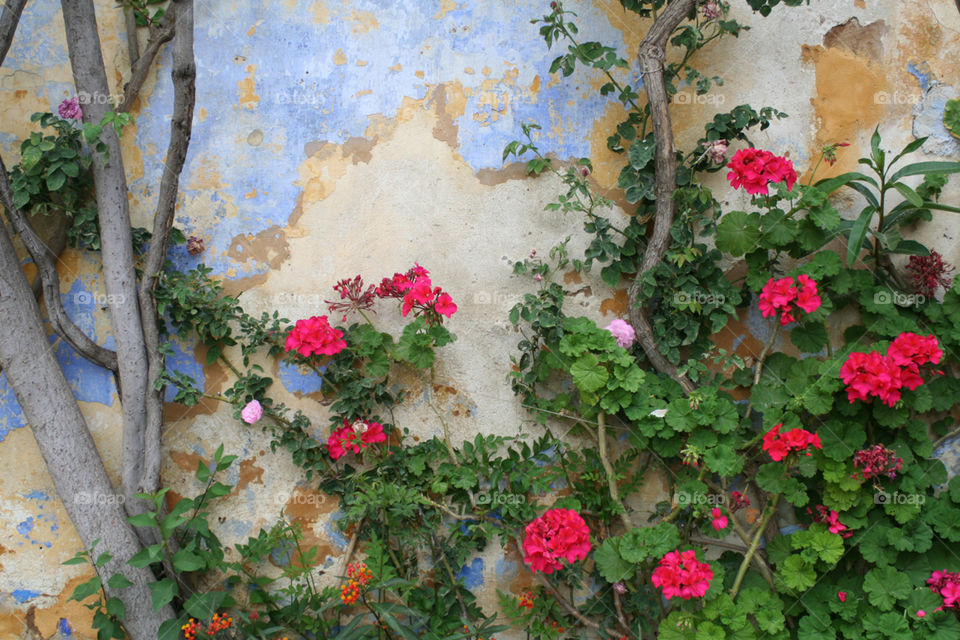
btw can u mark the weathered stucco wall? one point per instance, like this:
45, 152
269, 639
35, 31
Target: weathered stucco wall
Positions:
341, 137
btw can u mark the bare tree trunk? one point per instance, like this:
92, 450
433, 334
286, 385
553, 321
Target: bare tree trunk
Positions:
652, 58
116, 240
66, 445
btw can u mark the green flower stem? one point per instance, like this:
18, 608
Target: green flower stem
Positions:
608, 469
360, 311
283, 422
447, 510
759, 369
670, 517
744, 535
453, 579
231, 366
446, 429
323, 379
757, 537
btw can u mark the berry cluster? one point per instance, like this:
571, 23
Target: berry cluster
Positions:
218, 622
876, 461
928, 273
358, 575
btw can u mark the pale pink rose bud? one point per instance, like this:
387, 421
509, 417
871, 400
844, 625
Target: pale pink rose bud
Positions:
716, 151
252, 412
623, 332
711, 10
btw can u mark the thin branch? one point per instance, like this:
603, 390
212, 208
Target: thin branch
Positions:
59, 319
608, 469
133, 45
760, 359
652, 58
351, 546
563, 602
160, 34
9, 20
184, 73
744, 535
757, 537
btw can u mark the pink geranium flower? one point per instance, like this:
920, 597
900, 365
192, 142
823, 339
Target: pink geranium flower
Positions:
558, 535
680, 574
623, 332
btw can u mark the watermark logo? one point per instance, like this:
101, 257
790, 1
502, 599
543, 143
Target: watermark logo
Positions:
685, 499
502, 300
87, 299
312, 300
300, 97
96, 97
300, 498
884, 497
692, 97
897, 97
101, 499
685, 298
500, 498
900, 299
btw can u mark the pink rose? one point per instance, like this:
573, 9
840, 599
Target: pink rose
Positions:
623, 332
252, 412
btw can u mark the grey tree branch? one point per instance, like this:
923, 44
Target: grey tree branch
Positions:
47, 274
110, 181
9, 20
652, 58
159, 35
133, 45
184, 75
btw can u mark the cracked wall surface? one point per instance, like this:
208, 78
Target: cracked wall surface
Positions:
341, 137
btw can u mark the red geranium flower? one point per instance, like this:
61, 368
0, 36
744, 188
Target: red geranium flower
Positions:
559, 534
354, 437
781, 295
315, 336
754, 169
719, 521
875, 374
780, 445
911, 348
681, 574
